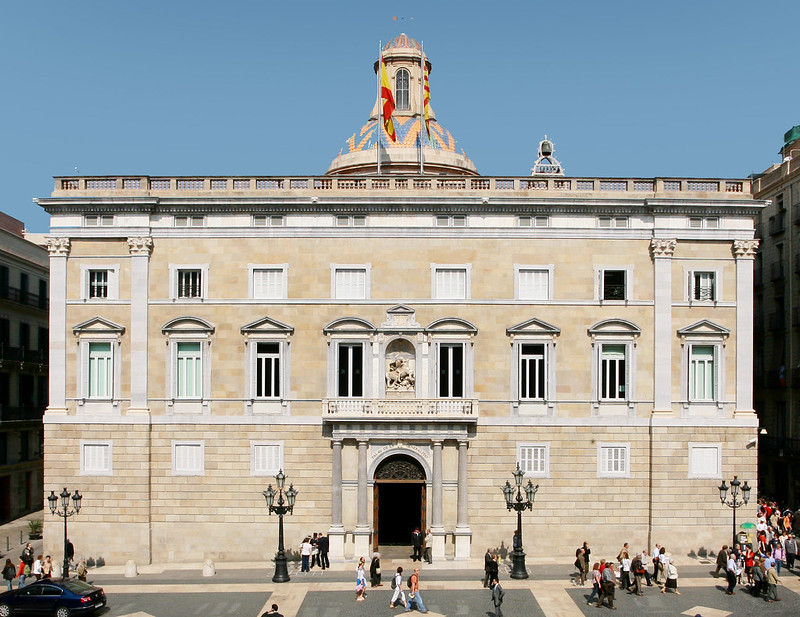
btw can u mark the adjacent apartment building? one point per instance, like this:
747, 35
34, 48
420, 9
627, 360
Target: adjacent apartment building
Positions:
23, 368
777, 301
397, 335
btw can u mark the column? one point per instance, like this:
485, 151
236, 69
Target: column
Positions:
744, 251
57, 373
336, 531
437, 528
140, 249
463, 534
361, 535
662, 251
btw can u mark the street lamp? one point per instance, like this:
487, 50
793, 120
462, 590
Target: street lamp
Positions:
64, 512
283, 506
516, 502
734, 502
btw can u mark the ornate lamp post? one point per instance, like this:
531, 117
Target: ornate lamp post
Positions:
64, 512
734, 502
281, 508
516, 502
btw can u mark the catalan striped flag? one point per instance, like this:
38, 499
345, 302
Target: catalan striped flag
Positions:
427, 102
387, 102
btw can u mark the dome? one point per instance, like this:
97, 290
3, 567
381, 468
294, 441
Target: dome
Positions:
402, 41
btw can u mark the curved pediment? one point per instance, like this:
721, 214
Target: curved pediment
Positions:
348, 325
451, 325
267, 325
615, 327
534, 326
706, 328
98, 325
187, 324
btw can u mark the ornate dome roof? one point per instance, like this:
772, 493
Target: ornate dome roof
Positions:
404, 41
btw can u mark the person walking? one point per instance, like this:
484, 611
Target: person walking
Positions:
273, 612
759, 578
596, 582
82, 570
21, 573
429, 546
580, 564
47, 567
731, 573
497, 597
375, 571
790, 546
416, 545
9, 572
638, 570
361, 581
314, 551
494, 569
397, 585
305, 554
672, 577
413, 594
487, 567
36, 570
656, 555
28, 555
722, 560
607, 587
625, 565
772, 585
323, 544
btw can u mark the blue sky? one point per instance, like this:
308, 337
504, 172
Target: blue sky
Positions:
702, 88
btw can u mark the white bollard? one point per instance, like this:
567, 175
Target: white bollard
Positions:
130, 569
208, 568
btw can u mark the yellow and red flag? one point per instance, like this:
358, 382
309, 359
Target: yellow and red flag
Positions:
387, 102
427, 103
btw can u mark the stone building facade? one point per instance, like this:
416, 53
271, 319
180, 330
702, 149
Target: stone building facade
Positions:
396, 343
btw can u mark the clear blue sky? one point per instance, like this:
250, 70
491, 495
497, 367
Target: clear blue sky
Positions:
701, 88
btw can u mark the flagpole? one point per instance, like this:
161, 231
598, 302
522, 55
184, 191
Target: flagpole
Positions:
380, 107
421, 106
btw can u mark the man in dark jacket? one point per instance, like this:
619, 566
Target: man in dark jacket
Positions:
416, 544
488, 560
323, 545
497, 597
608, 584
722, 560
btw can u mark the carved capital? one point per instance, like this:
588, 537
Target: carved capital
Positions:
662, 248
58, 247
745, 249
140, 246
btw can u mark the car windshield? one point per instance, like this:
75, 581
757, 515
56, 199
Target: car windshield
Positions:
78, 587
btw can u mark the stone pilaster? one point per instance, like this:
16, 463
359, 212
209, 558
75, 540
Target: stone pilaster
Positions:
59, 252
361, 534
744, 251
336, 531
662, 251
437, 528
463, 534
140, 249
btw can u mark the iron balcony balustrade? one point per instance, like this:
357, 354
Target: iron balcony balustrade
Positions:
39, 357
23, 296
393, 409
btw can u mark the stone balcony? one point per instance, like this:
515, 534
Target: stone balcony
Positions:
445, 410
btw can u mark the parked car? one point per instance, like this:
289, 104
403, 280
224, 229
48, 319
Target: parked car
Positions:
53, 598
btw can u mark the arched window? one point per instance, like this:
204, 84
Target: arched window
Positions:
401, 89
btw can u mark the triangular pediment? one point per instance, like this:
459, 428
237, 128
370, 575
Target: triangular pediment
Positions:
348, 325
451, 325
267, 325
187, 324
704, 327
534, 326
98, 325
615, 327
400, 317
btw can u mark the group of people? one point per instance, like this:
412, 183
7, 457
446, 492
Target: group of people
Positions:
314, 552
633, 572
761, 570
29, 566
422, 545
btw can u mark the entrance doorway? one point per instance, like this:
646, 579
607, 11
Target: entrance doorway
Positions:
399, 501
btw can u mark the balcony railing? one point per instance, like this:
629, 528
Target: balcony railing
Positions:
779, 446
422, 409
10, 413
23, 355
22, 296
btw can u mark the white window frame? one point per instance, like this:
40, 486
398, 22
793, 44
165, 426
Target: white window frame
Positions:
115, 369
254, 358
364, 365
108, 369
338, 294
703, 334
613, 222
350, 220
544, 467
692, 373
107, 469
466, 268
547, 353
702, 222
603, 452
251, 274
255, 468
269, 220
176, 361
519, 269
466, 359
693, 472
189, 471
98, 220
689, 276
451, 220
112, 286
174, 269
600, 283
189, 220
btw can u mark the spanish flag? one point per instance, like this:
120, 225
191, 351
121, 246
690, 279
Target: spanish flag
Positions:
427, 103
387, 102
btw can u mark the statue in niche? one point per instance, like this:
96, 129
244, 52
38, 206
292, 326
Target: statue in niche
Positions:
400, 367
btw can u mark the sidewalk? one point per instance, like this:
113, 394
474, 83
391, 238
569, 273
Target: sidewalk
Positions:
14, 537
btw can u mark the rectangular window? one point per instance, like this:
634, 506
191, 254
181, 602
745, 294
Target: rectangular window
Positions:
451, 283
451, 370
533, 284
190, 221
612, 221
705, 460
612, 372
613, 285
613, 460
268, 374
532, 371
350, 283
96, 458
98, 284
94, 220
534, 459
269, 283
351, 370
190, 283
262, 220
266, 458
701, 373
100, 371
189, 370
188, 458
703, 286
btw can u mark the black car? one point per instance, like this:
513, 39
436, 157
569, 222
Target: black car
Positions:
52, 597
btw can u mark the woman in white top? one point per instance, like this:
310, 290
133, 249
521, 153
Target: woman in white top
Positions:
361, 581
305, 554
36, 570
397, 585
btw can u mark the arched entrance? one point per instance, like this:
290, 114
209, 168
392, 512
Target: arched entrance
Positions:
399, 501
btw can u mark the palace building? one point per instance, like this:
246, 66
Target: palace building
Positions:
396, 335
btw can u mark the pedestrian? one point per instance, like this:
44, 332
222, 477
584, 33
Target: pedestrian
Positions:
375, 571
646, 565
416, 544
361, 581
656, 555
497, 597
778, 555
413, 594
790, 546
314, 550
21, 573
27, 555
429, 546
397, 585
9, 572
772, 585
586, 552
82, 570
759, 578
273, 612
625, 566
69, 551
516, 541
638, 570
722, 560
47, 567
36, 570
663, 560
487, 567
580, 564
305, 554
731, 573
494, 569
607, 586
596, 582
323, 544
672, 577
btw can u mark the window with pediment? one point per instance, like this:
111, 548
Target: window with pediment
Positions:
613, 362
99, 342
266, 370
702, 359
349, 346
452, 339
189, 362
